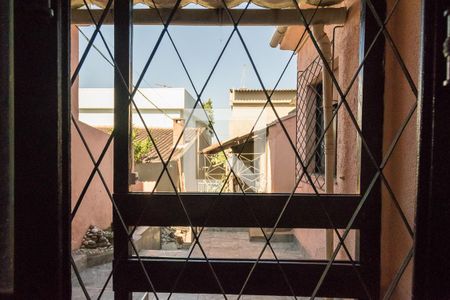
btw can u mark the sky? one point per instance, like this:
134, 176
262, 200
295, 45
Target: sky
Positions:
199, 48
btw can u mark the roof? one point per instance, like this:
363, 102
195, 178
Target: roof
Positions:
291, 114
235, 141
163, 138
258, 96
261, 90
232, 142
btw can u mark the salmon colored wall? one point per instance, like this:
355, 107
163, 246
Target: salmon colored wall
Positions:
404, 28
74, 57
346, 64
96, 207
282, 174
347, 56
282, 157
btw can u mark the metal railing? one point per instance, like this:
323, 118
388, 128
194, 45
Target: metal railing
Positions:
248, 169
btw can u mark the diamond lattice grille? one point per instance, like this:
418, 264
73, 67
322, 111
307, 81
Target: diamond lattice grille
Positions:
304, 163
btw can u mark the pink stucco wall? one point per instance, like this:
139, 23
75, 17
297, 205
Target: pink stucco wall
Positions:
347, 172
282, 157
74, 58
404, 27
346, 64
283, 179
96, 207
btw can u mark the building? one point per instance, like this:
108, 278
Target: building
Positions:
186, 163
158, 107
396, 95
246, 105
262, 160
164, 111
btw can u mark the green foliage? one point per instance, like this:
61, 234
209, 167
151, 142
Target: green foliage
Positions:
218, 159
141, 147
208, 106
218, 167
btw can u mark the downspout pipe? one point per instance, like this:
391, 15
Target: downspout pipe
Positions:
278, 36
327, 103
319, 18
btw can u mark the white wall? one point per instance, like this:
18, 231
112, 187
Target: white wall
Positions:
96, 106
153, 118
189, 167
161, 97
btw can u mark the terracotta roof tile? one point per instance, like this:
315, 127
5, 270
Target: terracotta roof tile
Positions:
163, 138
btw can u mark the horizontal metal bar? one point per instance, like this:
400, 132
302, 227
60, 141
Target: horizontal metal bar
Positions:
267, 278
219, 17
232, 210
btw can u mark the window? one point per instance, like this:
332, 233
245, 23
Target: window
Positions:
319, 158
310, 122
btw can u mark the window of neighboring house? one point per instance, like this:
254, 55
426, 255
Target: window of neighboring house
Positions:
319, 153
310, 124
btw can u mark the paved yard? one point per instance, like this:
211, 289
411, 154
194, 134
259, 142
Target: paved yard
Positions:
216, 243
233, 244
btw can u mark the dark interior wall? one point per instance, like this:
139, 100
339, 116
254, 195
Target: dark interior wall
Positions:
41, 154
6, 149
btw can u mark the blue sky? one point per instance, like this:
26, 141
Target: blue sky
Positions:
199, 48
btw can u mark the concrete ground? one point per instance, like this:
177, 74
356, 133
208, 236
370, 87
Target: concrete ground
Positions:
216, 243
233, 243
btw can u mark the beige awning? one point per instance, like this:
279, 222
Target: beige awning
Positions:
205, 3
277, 12
272, 4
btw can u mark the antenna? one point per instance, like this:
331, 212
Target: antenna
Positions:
162, 85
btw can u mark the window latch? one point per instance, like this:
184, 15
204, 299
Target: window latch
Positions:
42, 9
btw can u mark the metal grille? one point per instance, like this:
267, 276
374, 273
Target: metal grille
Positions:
309, 122
327, 278
214, 171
